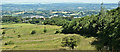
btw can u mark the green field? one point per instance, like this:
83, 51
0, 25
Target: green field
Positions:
40, 40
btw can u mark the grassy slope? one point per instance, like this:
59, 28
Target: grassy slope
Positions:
40, 40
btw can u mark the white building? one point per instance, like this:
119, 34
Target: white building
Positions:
37, 16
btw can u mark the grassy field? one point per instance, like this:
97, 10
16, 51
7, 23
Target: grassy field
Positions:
40, 40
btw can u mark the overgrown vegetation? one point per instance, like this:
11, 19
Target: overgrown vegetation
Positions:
104, 27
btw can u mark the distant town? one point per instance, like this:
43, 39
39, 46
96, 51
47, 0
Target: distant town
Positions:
51, 10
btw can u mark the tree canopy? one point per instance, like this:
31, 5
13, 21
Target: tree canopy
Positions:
104, 27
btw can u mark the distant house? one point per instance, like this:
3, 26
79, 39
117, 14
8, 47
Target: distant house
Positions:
38, 17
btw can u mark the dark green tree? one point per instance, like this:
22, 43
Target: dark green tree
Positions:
70, 41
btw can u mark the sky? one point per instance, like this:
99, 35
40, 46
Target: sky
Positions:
57, 1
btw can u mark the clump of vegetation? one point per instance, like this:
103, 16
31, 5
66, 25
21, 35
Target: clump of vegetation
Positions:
104, 27
19, 36
45, 30
9, 43
3, 32
14, 31
3, 28
9, 37
57, 21
57, 31
62, 49
70, 41
33, 32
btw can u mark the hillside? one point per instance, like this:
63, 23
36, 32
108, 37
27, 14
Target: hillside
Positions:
104, 27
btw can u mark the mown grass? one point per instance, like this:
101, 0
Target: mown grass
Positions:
39, 40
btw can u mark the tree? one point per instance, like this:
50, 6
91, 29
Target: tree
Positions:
70, 42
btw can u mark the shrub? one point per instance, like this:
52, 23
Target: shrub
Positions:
9, 43
14, 31
57, 32
19, 36
3, 32
3, 28
45, 30
33, 32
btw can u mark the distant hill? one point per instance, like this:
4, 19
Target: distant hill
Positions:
57, 6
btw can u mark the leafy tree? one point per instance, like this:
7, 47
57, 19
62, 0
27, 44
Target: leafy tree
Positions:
71, 42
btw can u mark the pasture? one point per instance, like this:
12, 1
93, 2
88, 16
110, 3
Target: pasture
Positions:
40, 40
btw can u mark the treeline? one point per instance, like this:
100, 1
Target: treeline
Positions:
60, 21
104, 27
11, 19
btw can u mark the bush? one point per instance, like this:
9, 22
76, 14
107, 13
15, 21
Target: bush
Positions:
14, 31
9, 43
3, 28
57, 32
3, 32
19, 36
45, 30
33, 32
